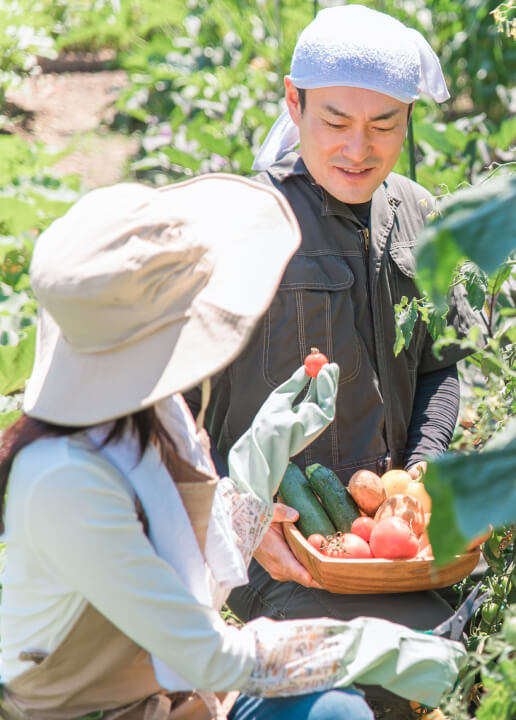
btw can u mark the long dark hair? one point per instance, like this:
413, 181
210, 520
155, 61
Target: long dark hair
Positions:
144, 424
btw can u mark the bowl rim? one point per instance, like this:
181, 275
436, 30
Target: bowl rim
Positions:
323, 560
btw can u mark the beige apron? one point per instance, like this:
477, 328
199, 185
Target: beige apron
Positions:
98, 671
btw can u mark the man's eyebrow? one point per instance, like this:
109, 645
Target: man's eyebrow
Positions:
384, 116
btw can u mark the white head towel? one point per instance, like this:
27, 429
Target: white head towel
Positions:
354, 46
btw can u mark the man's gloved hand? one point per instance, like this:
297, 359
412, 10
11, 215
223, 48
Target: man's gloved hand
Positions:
281, 430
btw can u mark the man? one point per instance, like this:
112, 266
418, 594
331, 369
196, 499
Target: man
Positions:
354, 78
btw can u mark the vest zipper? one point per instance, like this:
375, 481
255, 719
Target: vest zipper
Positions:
363, 234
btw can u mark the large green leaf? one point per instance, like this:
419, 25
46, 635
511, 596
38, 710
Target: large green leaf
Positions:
16, 362
471, 492
504, 138
447, 142
478, 223
16, 216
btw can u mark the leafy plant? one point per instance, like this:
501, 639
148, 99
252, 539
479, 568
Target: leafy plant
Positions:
30, 199
477, 225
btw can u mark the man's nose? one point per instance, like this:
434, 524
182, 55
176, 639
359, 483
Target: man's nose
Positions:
356, 146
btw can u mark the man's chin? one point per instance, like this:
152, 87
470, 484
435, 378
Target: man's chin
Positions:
350, 196
351, 191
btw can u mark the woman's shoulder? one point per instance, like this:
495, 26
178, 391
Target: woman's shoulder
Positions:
52, 452
54, 459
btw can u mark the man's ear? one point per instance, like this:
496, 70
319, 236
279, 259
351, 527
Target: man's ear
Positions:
292, 99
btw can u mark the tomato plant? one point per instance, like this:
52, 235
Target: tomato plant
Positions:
491, 613
509, 630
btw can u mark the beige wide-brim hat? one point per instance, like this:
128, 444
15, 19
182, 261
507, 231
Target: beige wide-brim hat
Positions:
145, 292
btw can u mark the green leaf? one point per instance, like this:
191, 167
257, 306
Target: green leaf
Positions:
475, 282
446, 142
16, 216
436, 261
500, 700
510, 334
502, 274
470, 492
437, 321
406, 318
16, 362
508, 312
8, 418
178, 157
477, 223
504, 138
211, 143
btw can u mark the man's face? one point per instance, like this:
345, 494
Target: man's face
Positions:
351, 138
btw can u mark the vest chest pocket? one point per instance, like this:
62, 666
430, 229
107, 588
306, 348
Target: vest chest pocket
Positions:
312, 308
404, 261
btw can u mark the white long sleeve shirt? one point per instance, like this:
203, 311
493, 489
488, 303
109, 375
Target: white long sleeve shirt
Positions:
58, 559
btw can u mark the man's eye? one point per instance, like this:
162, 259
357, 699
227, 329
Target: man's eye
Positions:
334, 125
383, 129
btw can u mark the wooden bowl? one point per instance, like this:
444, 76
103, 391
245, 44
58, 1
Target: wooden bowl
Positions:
356, 577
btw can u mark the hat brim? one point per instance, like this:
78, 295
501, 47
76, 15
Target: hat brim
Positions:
251, 252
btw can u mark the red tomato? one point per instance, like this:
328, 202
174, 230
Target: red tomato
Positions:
317, 541
392, 539
363, 526
405, 507
314, 362
347, 546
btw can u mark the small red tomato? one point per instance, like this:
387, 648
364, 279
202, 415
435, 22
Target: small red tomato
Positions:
363, 527
314, 362
347, 546
334, 552
317, 541
393, 539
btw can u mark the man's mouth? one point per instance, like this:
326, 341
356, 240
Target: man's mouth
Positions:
354, 171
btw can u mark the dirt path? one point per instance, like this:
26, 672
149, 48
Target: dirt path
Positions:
68, 110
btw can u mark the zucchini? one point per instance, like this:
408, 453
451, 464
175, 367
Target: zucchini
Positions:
335, 497
296, 492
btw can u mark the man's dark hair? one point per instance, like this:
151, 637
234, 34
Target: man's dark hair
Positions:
301, 92
302, 98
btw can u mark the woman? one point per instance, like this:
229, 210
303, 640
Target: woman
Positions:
122, 543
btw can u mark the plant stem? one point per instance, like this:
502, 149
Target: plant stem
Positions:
277, 19
412, 150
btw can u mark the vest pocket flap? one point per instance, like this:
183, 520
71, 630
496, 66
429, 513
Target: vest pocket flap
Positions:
327, 272
404, 258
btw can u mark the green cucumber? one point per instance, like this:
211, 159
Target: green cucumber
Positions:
335, 497
296, 492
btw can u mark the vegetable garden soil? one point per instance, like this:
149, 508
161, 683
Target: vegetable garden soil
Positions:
67, 107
